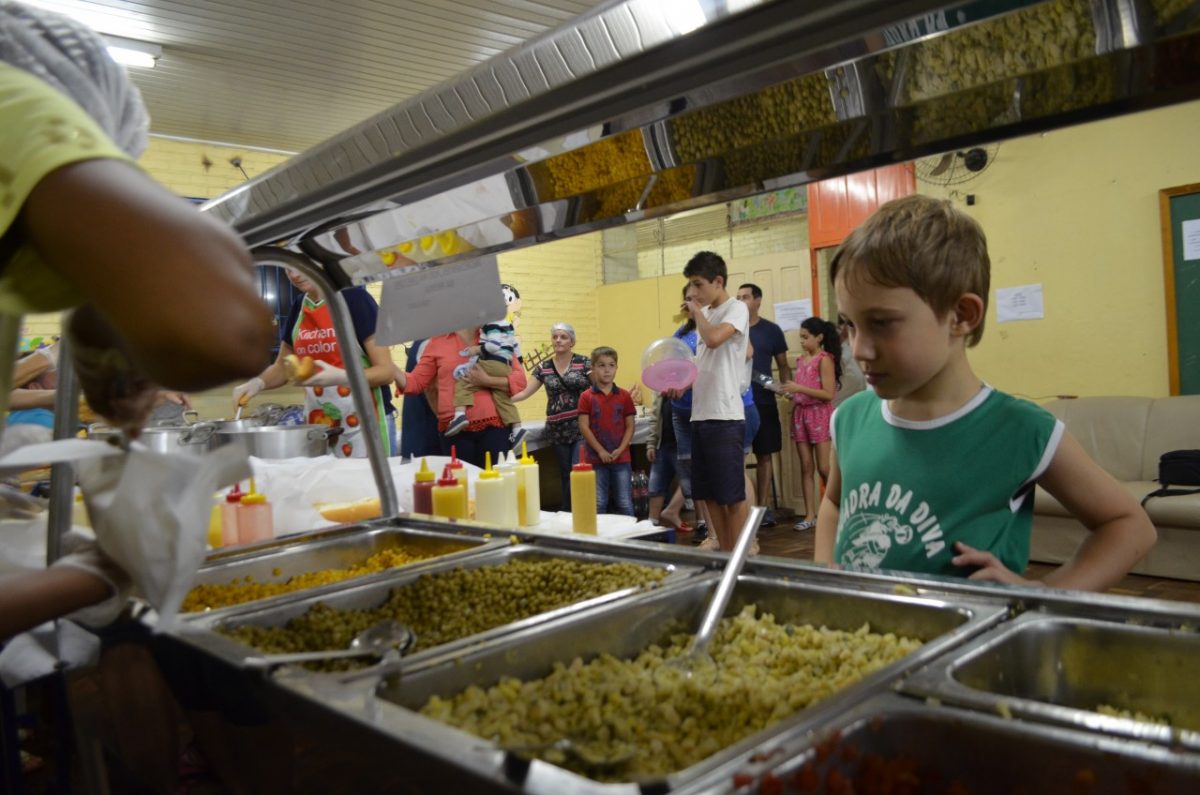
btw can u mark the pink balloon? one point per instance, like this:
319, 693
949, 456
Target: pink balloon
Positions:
669, 374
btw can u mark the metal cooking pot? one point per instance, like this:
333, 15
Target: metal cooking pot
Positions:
194, 439
228, 426
283, 441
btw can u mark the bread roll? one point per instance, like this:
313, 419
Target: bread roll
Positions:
298, 369
347, 512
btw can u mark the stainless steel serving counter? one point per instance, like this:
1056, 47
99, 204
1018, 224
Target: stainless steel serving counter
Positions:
1021, 670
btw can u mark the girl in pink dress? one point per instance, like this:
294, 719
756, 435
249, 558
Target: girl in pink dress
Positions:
818, 371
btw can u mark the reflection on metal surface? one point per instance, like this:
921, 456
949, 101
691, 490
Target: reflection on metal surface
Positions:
733, 107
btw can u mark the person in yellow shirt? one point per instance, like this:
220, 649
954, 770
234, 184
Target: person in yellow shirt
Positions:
162, 294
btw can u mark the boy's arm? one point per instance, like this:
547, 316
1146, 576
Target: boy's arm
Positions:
1121, 532
827, 515
713, 336
625, 439
585, 428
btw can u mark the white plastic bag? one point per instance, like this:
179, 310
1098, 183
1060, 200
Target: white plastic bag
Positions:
150, 513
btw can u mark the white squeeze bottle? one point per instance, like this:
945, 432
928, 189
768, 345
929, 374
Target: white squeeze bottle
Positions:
529, 489
508, 471
491, 494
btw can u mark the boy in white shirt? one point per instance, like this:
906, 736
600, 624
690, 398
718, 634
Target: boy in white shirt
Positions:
718, 418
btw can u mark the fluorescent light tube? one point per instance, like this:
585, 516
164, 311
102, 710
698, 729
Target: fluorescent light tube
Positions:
132, 52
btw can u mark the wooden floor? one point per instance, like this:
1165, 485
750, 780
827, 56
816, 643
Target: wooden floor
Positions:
784, 542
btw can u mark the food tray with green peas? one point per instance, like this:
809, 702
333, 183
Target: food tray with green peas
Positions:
449, 605
822, 650
314, 563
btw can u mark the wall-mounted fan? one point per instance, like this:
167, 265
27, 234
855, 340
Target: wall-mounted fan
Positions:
955, 168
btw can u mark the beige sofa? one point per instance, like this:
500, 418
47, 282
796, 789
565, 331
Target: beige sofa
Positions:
1126, 436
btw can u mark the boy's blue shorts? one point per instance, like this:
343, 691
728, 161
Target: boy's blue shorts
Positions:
718, 461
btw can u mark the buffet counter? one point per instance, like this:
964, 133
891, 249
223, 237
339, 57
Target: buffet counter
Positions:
877, 667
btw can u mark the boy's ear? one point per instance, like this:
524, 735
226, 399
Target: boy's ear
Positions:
968, 314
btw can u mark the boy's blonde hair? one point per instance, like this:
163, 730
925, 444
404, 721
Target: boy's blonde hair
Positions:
924, 244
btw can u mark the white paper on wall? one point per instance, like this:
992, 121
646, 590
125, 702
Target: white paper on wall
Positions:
1023, 302
790, 314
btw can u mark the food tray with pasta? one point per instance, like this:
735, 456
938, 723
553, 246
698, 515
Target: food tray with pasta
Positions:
322, 559
448, 605
787, 654
1121, 678
891, 744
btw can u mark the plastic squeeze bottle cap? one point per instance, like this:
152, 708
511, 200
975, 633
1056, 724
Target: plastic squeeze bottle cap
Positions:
511, 460
488, 473
447, 479
253, 497
582, 466
424, 474
526, 458
235, 494
454, 462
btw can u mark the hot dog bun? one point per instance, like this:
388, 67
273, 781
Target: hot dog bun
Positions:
346, 512
298, 369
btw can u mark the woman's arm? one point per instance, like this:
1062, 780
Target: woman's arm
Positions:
380, 372
31, 399
423, 374
534, 385
30, 598
149, 262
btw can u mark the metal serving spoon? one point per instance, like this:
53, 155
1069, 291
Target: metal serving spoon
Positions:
696, 660
587, 756
376, 640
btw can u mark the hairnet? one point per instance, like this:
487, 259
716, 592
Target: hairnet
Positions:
74, 60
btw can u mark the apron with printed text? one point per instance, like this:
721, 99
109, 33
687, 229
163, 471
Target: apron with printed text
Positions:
333, 405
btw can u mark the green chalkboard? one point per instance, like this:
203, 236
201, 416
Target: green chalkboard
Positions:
1185, 275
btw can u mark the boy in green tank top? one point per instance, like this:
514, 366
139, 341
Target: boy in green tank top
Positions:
933, 470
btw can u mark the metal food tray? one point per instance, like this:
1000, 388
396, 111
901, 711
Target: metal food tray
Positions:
1059, 668
367, 592
940, 749
624, 629
340, 548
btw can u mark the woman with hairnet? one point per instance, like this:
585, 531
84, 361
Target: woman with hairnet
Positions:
162, 294
566, 375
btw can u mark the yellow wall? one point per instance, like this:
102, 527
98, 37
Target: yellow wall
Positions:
1076, 210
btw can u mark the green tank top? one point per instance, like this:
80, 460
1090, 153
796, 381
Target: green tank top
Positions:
911, 489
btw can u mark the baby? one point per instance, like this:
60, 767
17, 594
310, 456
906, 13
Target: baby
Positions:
497, 347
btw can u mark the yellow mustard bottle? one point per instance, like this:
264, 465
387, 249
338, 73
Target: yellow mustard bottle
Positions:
491, 494
459, 472
583, 497
214, 524
530, 485
449, 496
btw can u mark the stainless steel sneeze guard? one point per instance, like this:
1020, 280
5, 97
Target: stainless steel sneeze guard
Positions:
620, 115
624, 628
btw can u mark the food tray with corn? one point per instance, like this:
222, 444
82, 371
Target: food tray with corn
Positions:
821, 650
1130, 678
284, 568
448, 605
894, 744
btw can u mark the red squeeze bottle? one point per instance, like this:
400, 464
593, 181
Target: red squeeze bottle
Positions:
423, 489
